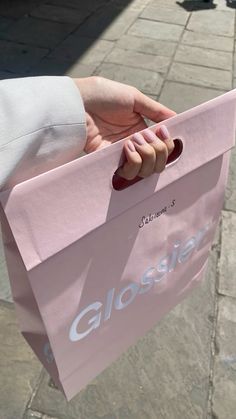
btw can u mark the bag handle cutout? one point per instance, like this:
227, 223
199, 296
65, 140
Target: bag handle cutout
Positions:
120, 183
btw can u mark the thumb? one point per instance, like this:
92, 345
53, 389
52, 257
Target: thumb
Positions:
150, 108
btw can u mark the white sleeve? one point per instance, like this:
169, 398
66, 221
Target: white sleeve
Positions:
42, 125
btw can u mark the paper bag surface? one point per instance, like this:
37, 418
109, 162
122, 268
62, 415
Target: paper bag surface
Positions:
93, 268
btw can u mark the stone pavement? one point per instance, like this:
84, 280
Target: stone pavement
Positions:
181, 53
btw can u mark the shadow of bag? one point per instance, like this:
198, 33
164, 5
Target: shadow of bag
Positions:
92, 268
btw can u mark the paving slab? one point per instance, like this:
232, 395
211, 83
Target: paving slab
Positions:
162, 3
230, 195
89, 51
5, 23
204, 57
145, 80
108, 23
224, 378
138, 60
60, 14
8, 75
38, 32
130, 4
234, 61
121, 24
202, 76
5, 289
181, 97
156, 30
91, 5
19, 58
166, 372
227, 261
81, 70
147, 45
211, 21
50, 66
19, 368
165, 14
223, 5
218, 43
18, 8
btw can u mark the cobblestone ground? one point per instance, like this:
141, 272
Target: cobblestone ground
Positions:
181, 53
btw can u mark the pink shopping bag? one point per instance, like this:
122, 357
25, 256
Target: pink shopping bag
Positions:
92, 265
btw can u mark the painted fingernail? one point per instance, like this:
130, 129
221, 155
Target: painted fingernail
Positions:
149, 135
130, 146
164, 133
138, 139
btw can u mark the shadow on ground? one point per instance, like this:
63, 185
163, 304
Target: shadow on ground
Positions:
231, 4
49, 36
195, 5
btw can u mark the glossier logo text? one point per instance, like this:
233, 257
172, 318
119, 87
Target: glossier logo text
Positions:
100, 312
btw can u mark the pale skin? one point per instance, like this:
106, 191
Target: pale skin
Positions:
115, 111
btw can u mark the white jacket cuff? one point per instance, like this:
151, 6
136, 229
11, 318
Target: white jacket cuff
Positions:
42, 126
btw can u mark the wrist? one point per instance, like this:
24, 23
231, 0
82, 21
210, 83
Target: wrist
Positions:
86, 86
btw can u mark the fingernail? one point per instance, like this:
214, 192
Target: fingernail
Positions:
149, 135
130, 145
138, 139
164, 133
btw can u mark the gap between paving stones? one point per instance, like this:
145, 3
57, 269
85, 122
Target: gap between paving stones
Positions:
98, 70
179, 43
217, 247
50, 49
215, 347
33, 414
98, 38
33, 394
175, 52
161, 21
174, 60
202, 65
197, 39
201, 76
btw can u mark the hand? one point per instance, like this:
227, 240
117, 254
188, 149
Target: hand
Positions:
115, 111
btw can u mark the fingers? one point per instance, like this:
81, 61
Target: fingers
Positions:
160, 150
146, 154
151, 109
133, 164
163, 133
